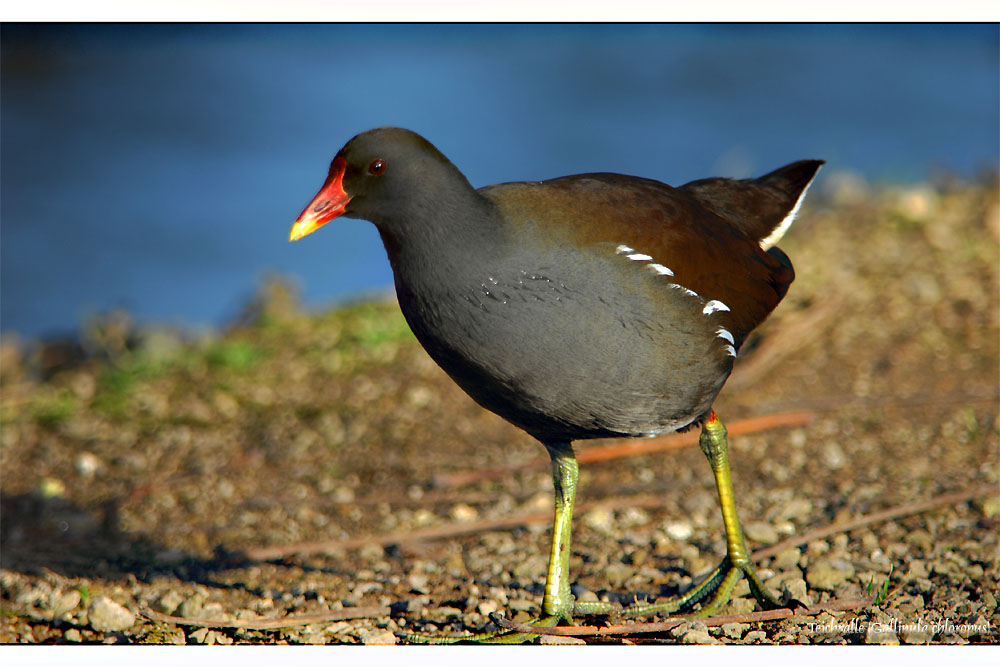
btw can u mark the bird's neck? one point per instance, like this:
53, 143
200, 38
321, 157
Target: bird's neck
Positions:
442, 235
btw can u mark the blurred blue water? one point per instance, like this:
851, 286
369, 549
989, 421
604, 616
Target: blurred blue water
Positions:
158, 168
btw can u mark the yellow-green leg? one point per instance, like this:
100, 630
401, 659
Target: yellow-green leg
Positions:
720, 583
558, 603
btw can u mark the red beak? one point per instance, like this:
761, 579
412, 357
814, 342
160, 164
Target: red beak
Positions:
326, 205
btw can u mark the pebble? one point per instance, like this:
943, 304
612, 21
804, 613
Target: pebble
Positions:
73, 635
754, 636
106, 615
787, 559
418, 583
556, 640
697, 633
462, 512
914, 633
87, 464
826, 575
734, 630
66, 602
192, 607
796, 508
679, 530
201, 636
761, 532
833, 456
879, 633
617, 574
990, 507
487, 607
600, 518
376, 637
741, 606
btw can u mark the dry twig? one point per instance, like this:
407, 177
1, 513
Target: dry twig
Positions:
630, 447
663, 626
877, 517
271, 623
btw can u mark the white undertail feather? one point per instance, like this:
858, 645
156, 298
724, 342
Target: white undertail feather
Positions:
779, 231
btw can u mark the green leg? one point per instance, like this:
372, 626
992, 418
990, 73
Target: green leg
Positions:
720, 583
558, 603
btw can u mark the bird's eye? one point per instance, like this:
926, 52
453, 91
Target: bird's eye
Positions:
377, 167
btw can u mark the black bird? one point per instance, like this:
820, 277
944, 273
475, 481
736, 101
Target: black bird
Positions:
588, 306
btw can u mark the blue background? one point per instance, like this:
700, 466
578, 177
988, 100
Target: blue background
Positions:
158, 168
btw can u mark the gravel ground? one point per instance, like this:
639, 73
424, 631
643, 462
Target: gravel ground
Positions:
141, 467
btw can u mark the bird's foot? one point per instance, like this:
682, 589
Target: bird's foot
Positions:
714, 592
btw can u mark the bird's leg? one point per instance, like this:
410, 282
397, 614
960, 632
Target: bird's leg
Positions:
558, 603
720, 583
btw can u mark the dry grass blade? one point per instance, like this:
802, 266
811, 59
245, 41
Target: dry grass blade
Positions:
271, 623
440, 532
877, 517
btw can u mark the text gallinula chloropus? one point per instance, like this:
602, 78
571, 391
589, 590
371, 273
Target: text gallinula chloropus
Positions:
586, 306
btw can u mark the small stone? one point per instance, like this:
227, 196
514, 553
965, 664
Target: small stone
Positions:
556, 640
65, 603
918, 569
833, 456
915, 633
106, 615
787, 559
418, 583
754, 636
377, 637
600, 518
761, 532
372, 552
191, 607
734, 630
168, 602
199, 636
697, 633
739, 606
990, 506
73, 635
796, 508
679, 530
87, 464
462, 512
879, 633
487, 607
618, 573
826, 575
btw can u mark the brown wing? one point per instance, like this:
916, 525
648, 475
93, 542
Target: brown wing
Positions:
706, 253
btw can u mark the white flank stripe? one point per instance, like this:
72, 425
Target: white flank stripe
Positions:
662, 270
713, 306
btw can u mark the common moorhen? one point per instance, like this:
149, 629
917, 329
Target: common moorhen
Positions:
587, 306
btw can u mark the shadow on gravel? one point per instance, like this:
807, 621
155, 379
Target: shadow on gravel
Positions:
40, 534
